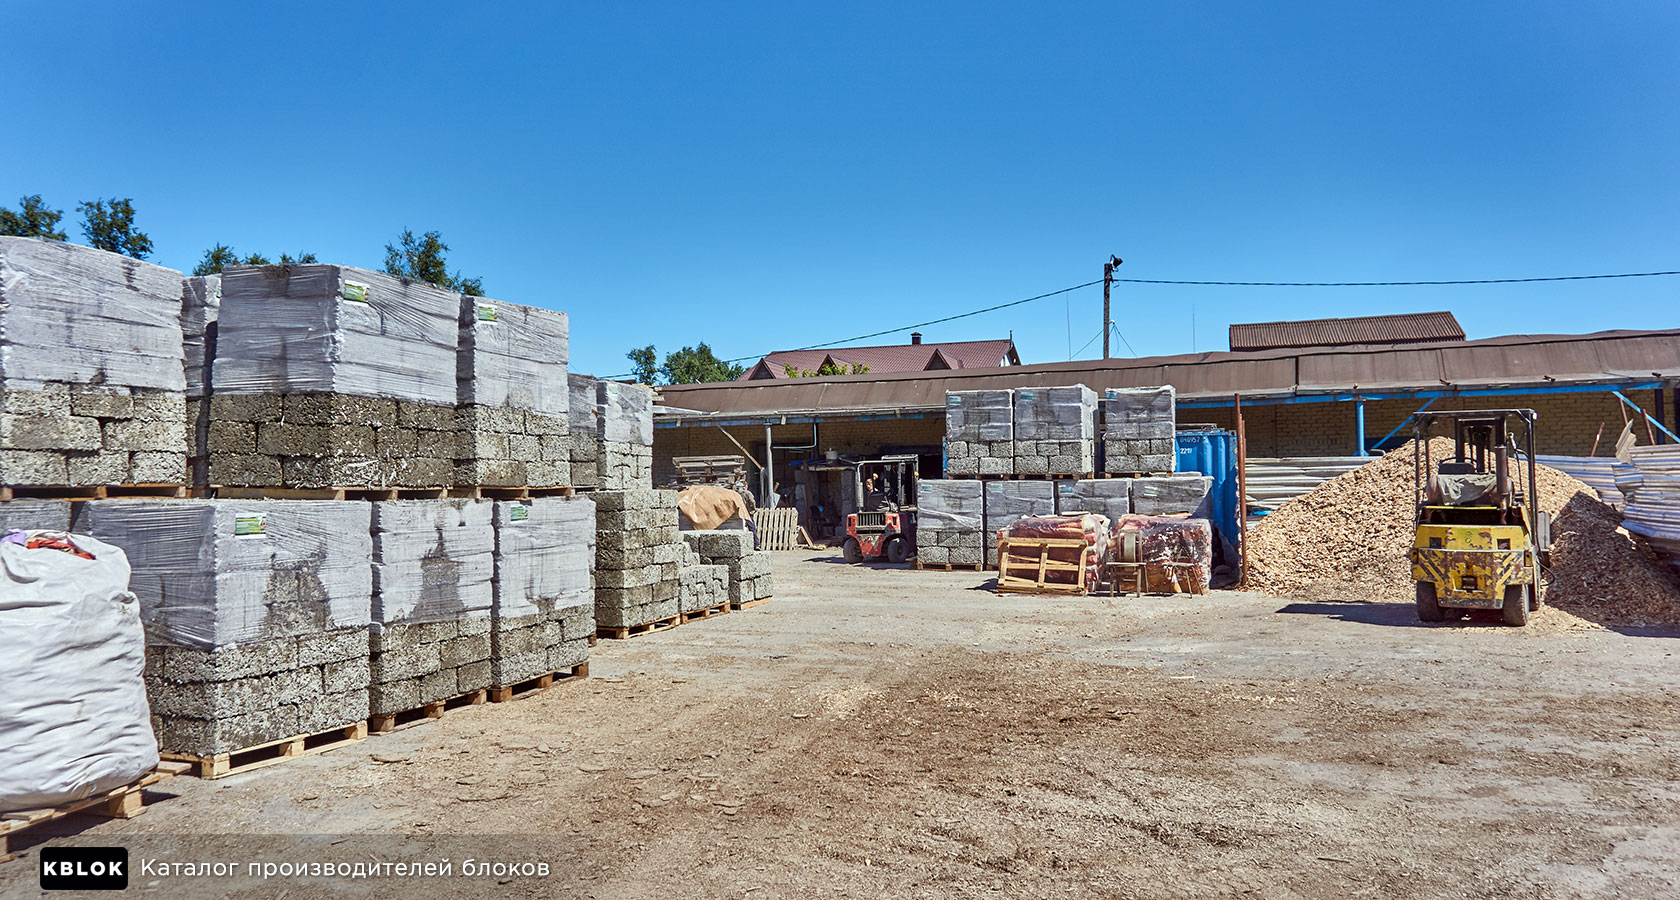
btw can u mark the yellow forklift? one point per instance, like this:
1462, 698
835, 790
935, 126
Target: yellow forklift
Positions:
1480, 540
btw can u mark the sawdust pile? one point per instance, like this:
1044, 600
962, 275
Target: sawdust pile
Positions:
1348, 538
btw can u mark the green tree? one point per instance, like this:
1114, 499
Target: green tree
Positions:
422, 258
693, 365
644, 364
33, 219
827, 368
221, 256
111, 227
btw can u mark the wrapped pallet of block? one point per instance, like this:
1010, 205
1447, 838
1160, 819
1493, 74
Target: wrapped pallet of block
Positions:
1111, 497
750, 579
73, 715
330, 376
513, 396
583, 413
542, 614
637, 558
34, 515
201, 304
1138, 429
1055, 430
980, 432
256, 615
950, 522
626, 461
92, 378
1182, 493
433, 561
1007, 501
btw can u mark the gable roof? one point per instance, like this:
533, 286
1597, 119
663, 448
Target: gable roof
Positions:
891, 358
1393, 329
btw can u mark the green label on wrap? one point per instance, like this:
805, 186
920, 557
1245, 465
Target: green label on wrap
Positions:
250, 525
486, 312
520, 513
355, 292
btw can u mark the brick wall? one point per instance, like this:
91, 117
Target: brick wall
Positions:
847, 438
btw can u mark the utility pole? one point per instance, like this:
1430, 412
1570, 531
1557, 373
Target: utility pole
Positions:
1108, 281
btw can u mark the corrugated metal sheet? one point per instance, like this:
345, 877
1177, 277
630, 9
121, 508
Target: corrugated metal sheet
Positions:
1395, 329
1491, 362
1599, 473
1273, 482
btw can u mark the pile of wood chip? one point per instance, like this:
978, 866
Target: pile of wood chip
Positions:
1348, 540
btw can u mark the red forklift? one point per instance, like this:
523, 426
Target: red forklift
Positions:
885, 524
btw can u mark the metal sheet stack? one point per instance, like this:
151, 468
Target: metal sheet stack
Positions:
92, 384
330, 376
543, 606
1273, 482
583, 416
256, 615
980, 432
201, 305
1597, 471
1055, 431
1653, 498
1007, 501
626, 435
1110, 497
433, 561
1138, 429
637, 557
950, 522
749, 570
513, 396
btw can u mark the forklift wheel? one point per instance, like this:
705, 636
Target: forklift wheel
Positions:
1428, 609
851, 550
897, 550
1516, 605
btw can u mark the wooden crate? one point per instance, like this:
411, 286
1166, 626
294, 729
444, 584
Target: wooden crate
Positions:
1043, 575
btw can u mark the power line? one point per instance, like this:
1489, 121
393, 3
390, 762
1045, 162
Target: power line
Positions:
1391, 283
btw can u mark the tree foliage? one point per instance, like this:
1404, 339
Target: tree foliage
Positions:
110, 226
422, 258
221, 256
827, 368
690, 365
32, 219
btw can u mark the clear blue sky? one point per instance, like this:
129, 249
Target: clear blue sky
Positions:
762, 177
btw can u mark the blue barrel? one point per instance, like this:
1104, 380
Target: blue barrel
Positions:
1213, 452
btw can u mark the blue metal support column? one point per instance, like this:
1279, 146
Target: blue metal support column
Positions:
1405, 420
1641, 410
1359, 426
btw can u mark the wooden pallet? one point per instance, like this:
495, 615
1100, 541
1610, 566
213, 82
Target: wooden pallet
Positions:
778, 529
1048, 576
520, 689
950, 567
1128, 474
385, 723
90, 492
749, 604
706, 613
620, 632
125, 802
485, 492
230, 492
222, 765
1019, 476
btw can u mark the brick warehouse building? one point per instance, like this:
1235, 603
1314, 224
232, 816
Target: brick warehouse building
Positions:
1297, 401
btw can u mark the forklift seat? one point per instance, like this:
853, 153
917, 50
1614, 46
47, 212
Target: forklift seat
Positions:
1457, 467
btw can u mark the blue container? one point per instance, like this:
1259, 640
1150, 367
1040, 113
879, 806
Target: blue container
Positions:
1213, 452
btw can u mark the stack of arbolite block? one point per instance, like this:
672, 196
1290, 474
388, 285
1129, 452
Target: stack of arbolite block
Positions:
750, 579
1055, 431
433, 561
330, 376
980, 432
626, 445
513, 396
1007, 501
201, 303
92, 381
700, 586
1138, 429
1111, 497
543, 611
950, 518
31, 515
256, 615
636, 564
1184, 493
583, 415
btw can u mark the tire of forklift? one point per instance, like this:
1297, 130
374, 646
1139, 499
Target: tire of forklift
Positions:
851, 551
1427, 608
897, 550
1516, 607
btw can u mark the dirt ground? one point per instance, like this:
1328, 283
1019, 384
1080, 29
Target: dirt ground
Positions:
885, 733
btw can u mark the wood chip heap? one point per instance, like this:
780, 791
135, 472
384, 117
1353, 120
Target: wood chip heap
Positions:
1348, 539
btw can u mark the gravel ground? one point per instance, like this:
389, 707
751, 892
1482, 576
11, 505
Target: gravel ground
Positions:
880, 733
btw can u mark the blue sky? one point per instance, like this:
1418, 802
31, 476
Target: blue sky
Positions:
765, 176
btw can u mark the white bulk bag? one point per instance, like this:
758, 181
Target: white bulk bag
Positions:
73, 715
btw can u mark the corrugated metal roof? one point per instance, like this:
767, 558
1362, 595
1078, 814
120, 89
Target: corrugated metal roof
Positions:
1490, 362
1394, 329
881, 360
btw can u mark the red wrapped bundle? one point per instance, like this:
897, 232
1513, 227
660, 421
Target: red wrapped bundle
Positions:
1089, 527
1177, 553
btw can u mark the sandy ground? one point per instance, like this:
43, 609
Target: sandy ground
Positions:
885, 733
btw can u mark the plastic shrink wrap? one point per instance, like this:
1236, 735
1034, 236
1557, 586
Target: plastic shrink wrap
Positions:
1090, 527
1177, 553
513, 355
